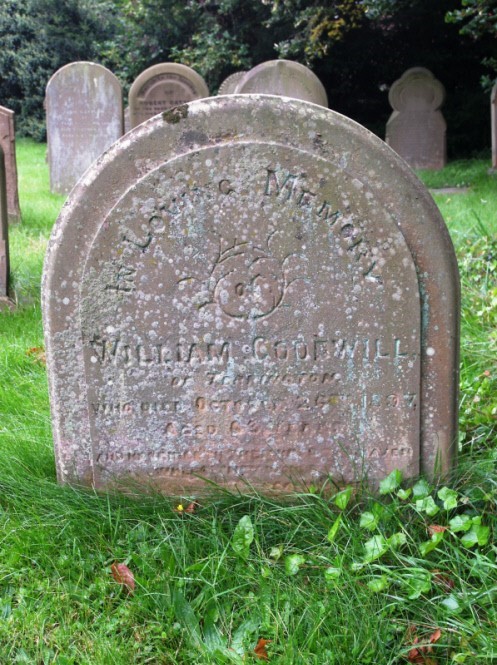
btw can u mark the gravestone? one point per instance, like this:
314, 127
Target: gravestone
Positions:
127, 122
250, 289
493, 115
228, 86
416, 128
161, 87
84, 117
286, 78
8, 145
5, 301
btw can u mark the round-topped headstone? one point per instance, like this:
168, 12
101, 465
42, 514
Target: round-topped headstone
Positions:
285, 78
228, 86
161, 87
250, 289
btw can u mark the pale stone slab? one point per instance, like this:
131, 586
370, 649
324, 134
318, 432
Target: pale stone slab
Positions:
84, 117
127, 121
161, 87
416, 129
285, 78
8, 145
228, 86
493, 116
250, 289
5, 301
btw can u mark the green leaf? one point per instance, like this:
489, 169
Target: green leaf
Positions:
276, 552
342, 498
460, 523
332, 573
431, 544
243, 537
451, 603
421, 489
187, 618
404, 494
368, 521
427, 505
416, 582
293, 563
375, 548
476, 535
391, 482
397, 540
378, 583
334, 529
449, 497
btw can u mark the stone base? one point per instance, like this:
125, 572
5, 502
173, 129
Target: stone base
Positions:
6, 303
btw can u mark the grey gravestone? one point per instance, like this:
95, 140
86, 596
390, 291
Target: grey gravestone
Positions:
416, 129
228, 86
84, 117
493, 115
250, 288
5, 301
8, 145
286, 78
127, 121
161, 87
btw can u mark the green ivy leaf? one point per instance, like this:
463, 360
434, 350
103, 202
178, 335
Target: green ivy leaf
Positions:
332, 573
431, 544
334, 529
378, 583
449, 497
243, 537
416, 582
293, 562
404, 494
397, 540
375, 548
276, 552
451, 604
460, 523
476, 535
368, 521
427, 505
342, 498
391, 482
421, 489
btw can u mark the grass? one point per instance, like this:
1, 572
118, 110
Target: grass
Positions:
328, 580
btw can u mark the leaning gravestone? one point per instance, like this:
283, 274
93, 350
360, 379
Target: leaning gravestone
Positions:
416, 128
228, 86
493, 115
8, 145
84, 117
250, 289
286, 78
5, 301
161, 87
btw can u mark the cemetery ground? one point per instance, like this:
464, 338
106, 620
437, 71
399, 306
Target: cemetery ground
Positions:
409, 575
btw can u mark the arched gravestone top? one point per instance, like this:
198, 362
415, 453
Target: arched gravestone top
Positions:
416, 128
493, 115
228, 86
229, 298
84, 117
286, 78
161, 87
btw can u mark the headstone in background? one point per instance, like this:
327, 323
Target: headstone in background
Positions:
84, 117
493, 115
226, 296
416, 129
8, 145
127, 121
228, 86
5, 301
161, 87
285, 78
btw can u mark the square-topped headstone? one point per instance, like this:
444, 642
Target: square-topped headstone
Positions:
8, 145
84, 117
250, 289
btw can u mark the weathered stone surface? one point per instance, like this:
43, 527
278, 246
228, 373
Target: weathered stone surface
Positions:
416, 128
286, 78
127, 121
84, 117
493, 115
5, 301
8, 145
250, 288
162, 87
228, 86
